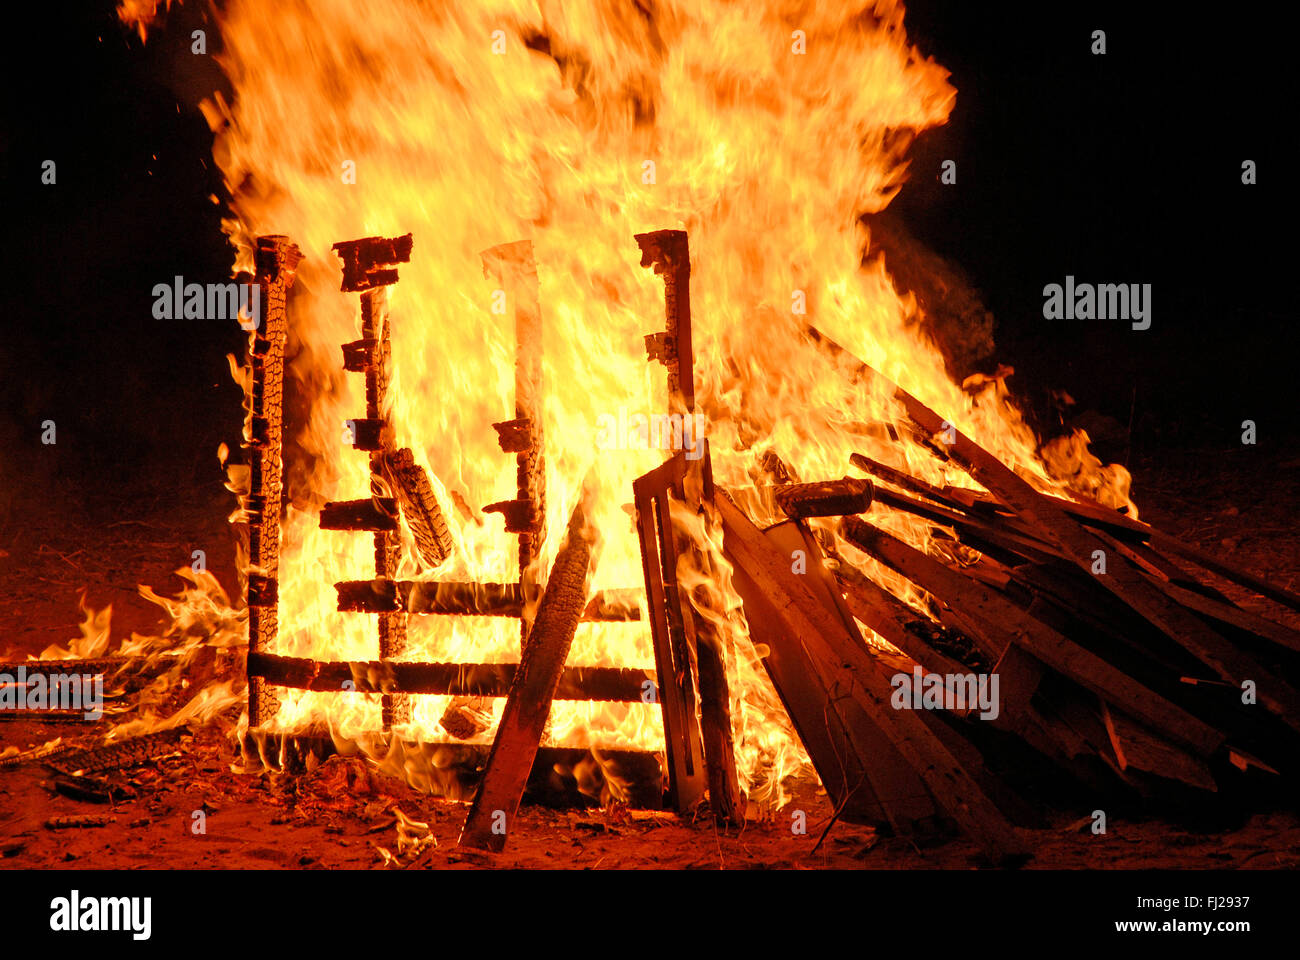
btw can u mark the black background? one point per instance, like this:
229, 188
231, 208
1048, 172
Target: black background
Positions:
1122, 168
1006, 908
1117, 168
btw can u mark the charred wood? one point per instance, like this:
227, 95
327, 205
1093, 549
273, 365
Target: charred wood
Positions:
376, 513
420, 507
614, 684
528, 704
830, 498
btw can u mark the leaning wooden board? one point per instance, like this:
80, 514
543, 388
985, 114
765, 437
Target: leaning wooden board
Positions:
492, 814
845, 659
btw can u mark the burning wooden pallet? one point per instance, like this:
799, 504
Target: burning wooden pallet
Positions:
1103, 639
402, 493
683, 663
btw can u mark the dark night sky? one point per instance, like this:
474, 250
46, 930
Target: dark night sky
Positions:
1122, 168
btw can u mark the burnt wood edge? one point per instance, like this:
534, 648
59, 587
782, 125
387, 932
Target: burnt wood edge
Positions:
606, 684
469, 599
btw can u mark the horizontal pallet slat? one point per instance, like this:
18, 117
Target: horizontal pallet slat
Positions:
468, 598
605, 684
373, 513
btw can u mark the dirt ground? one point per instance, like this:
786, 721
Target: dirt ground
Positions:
1242, 505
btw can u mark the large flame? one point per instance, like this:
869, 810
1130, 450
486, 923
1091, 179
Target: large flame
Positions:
763, 129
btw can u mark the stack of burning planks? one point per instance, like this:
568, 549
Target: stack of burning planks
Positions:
1113, 653
1111, 646
1080, 641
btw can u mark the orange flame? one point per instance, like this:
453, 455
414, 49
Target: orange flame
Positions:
762, 129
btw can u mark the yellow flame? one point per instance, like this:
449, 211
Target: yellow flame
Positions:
764, 129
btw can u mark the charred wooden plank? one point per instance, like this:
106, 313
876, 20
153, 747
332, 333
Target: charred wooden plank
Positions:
702, 647
52, 715
370, 433
1003, 537
1006, 623
373, 513
1156, 546
515, 436
669, 623
903, 480
838, 655
468, 599
1122, 578
119, 755
712, 648
866, 778
528, 705
521, 516
1233, 616
459, 598
391, 625
829, 498
1202, 598
263, 591
108, 666
1017, 670
682, 640
668, 251
894, 620
420, 507
725, 799
1063, 598
359, 355
605, 684
80, 821
1019, 674
276, 259
368, 596
365, 261
1136, 748
1169, 545
1096, 516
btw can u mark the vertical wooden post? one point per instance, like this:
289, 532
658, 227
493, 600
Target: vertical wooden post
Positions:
669, 253
513, 267
394, 708
276, 260
704, 646
668, 630
368, 269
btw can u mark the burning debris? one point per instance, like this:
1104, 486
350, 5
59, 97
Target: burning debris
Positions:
1074, 618
936, 639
